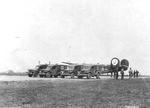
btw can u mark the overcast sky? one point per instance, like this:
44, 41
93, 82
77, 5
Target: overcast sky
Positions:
79, 31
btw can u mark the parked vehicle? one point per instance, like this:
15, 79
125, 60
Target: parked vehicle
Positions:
46, 72
67, 71
89, 71
35, 72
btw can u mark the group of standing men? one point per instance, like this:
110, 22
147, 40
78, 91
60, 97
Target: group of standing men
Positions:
132, 74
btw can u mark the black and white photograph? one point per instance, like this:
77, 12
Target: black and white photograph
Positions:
74, 54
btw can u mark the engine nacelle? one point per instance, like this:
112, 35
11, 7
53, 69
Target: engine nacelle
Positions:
116, 64
124, 64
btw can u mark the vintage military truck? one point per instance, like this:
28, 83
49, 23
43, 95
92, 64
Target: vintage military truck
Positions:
57, 70
46, 72
35, 72
62, 70
67, 71
87, 71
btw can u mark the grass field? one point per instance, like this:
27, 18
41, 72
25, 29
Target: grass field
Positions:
76, 94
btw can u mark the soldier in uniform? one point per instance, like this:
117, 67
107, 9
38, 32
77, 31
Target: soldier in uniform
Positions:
111, 74
115, 75
137, 73
134, 73
122, 74
130, 73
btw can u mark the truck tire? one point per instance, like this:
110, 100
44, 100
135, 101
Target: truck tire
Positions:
62, 76
41, 76
30, 75
48, 75
72, 75
80, 77
55, 76
97, 76
89, 76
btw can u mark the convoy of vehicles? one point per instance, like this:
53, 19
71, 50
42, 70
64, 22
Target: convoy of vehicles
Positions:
79, 70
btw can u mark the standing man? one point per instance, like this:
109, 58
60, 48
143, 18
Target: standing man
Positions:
137, 73
116, 71
115, 74
134, 73
111, 74
122, 74
130, 73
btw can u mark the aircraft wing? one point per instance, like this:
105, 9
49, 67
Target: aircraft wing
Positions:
69, 63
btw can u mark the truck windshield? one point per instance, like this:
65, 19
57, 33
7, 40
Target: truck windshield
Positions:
77, 67
54, 67
70, 67
86, 68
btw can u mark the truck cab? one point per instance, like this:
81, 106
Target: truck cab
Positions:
81, 71
35, 72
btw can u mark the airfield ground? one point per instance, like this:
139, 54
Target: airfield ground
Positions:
74, 93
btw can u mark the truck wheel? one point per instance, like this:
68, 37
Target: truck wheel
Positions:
88, 76
72, 75
29, 75
80, 77
41, 76
48, 75
55, 76
35, 75
62, 76
97, 76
